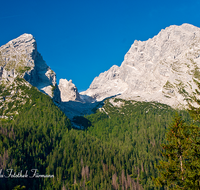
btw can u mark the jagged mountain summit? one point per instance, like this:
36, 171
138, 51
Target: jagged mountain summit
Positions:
161, 69
19, 59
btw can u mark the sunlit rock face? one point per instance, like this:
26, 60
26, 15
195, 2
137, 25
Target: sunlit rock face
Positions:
161, 69
68, 91
20, 57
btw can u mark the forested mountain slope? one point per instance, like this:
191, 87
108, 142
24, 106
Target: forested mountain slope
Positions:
117, 150
119, 143
30, 137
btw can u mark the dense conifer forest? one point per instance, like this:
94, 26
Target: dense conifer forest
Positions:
118, 148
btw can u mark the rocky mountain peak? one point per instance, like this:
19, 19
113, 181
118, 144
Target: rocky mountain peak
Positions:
23, 39
161, 69
20, 58
164, 69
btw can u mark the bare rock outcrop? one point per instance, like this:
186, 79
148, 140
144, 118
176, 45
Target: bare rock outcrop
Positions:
20, 58
68, 91
162, 69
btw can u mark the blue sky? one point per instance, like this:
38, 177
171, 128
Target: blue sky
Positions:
79, 39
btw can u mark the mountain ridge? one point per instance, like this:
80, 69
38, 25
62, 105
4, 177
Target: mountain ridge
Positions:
20, 59
155, 70
164, 69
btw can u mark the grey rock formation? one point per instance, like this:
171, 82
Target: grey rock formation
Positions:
74, 104
20, 57
161, 69
68, 91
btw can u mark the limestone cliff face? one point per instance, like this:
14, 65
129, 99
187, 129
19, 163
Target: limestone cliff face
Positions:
20, 57
160, 69
68, 90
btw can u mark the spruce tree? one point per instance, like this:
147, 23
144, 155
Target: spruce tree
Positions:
180, 167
